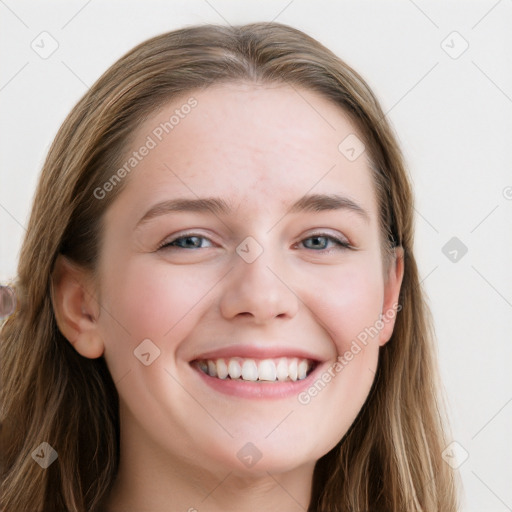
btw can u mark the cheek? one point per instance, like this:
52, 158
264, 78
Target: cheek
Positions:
348, 307
349, 304
150, 300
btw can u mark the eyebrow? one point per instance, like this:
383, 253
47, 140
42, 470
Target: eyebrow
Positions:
218, 206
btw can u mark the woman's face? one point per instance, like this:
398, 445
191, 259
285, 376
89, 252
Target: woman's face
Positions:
221, 255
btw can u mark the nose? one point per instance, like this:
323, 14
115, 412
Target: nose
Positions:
260, 290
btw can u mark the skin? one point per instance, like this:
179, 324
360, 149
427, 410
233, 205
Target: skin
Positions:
260, 148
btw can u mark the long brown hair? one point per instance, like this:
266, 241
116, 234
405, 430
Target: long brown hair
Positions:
389, 460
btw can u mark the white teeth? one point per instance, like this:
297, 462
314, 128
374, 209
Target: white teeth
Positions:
222, 369
267, 370
281, 369
302, 370
234, 369
292, 369
249, 370
212, 369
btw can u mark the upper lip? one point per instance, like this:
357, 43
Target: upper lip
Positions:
256, 352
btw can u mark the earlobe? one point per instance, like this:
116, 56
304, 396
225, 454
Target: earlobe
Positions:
392, 286
75, 307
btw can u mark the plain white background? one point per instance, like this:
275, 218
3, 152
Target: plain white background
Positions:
442, 72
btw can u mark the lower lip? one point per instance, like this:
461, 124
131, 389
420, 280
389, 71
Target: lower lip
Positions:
259, 390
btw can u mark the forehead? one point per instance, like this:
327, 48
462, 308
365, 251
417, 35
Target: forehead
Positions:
259, 146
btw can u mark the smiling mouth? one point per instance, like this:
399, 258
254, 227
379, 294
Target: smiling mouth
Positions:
281, 369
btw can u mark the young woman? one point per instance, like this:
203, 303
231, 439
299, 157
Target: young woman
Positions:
218, 303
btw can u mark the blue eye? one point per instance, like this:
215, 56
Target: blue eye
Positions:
319, 238
191, 242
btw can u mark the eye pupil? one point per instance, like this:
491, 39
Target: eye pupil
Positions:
317, 241
187, 242
193, 244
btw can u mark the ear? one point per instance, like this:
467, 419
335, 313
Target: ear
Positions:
76, 309
392, 284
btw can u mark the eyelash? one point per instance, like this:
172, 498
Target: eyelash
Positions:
341, 244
